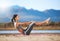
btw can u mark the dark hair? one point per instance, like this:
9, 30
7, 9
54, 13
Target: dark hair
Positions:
13, 18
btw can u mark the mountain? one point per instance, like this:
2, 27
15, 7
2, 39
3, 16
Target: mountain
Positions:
31, 14
53, 14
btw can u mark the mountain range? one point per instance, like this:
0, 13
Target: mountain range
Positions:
30, 14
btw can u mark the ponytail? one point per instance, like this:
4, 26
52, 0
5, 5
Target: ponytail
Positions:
13, 19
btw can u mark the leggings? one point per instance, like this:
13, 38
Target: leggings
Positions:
28, 30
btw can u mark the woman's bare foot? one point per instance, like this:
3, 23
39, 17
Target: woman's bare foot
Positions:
47, 20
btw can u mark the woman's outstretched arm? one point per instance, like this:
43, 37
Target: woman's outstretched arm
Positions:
23, 23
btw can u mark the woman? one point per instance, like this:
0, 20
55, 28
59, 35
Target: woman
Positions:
29, 27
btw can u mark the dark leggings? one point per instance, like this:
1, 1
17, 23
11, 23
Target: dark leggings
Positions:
28, 29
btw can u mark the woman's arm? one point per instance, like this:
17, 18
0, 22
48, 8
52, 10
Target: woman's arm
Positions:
23, 23
39, 23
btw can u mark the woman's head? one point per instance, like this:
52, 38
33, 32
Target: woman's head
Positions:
15, 18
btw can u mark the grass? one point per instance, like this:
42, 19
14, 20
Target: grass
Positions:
51, 26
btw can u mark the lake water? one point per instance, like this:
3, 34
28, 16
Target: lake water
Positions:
33, 31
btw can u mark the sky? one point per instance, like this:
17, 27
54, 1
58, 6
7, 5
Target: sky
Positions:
32, 4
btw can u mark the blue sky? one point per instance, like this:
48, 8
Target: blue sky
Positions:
35, 4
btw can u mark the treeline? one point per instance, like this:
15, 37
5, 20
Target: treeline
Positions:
54, 23
11, 24
49, 26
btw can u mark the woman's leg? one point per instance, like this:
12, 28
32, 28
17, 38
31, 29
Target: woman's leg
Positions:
20, 29
29, 28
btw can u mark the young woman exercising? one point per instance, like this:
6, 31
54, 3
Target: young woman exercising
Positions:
29, 28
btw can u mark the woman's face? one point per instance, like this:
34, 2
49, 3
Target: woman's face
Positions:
17, 18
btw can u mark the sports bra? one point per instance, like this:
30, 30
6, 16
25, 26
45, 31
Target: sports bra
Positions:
15, 24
